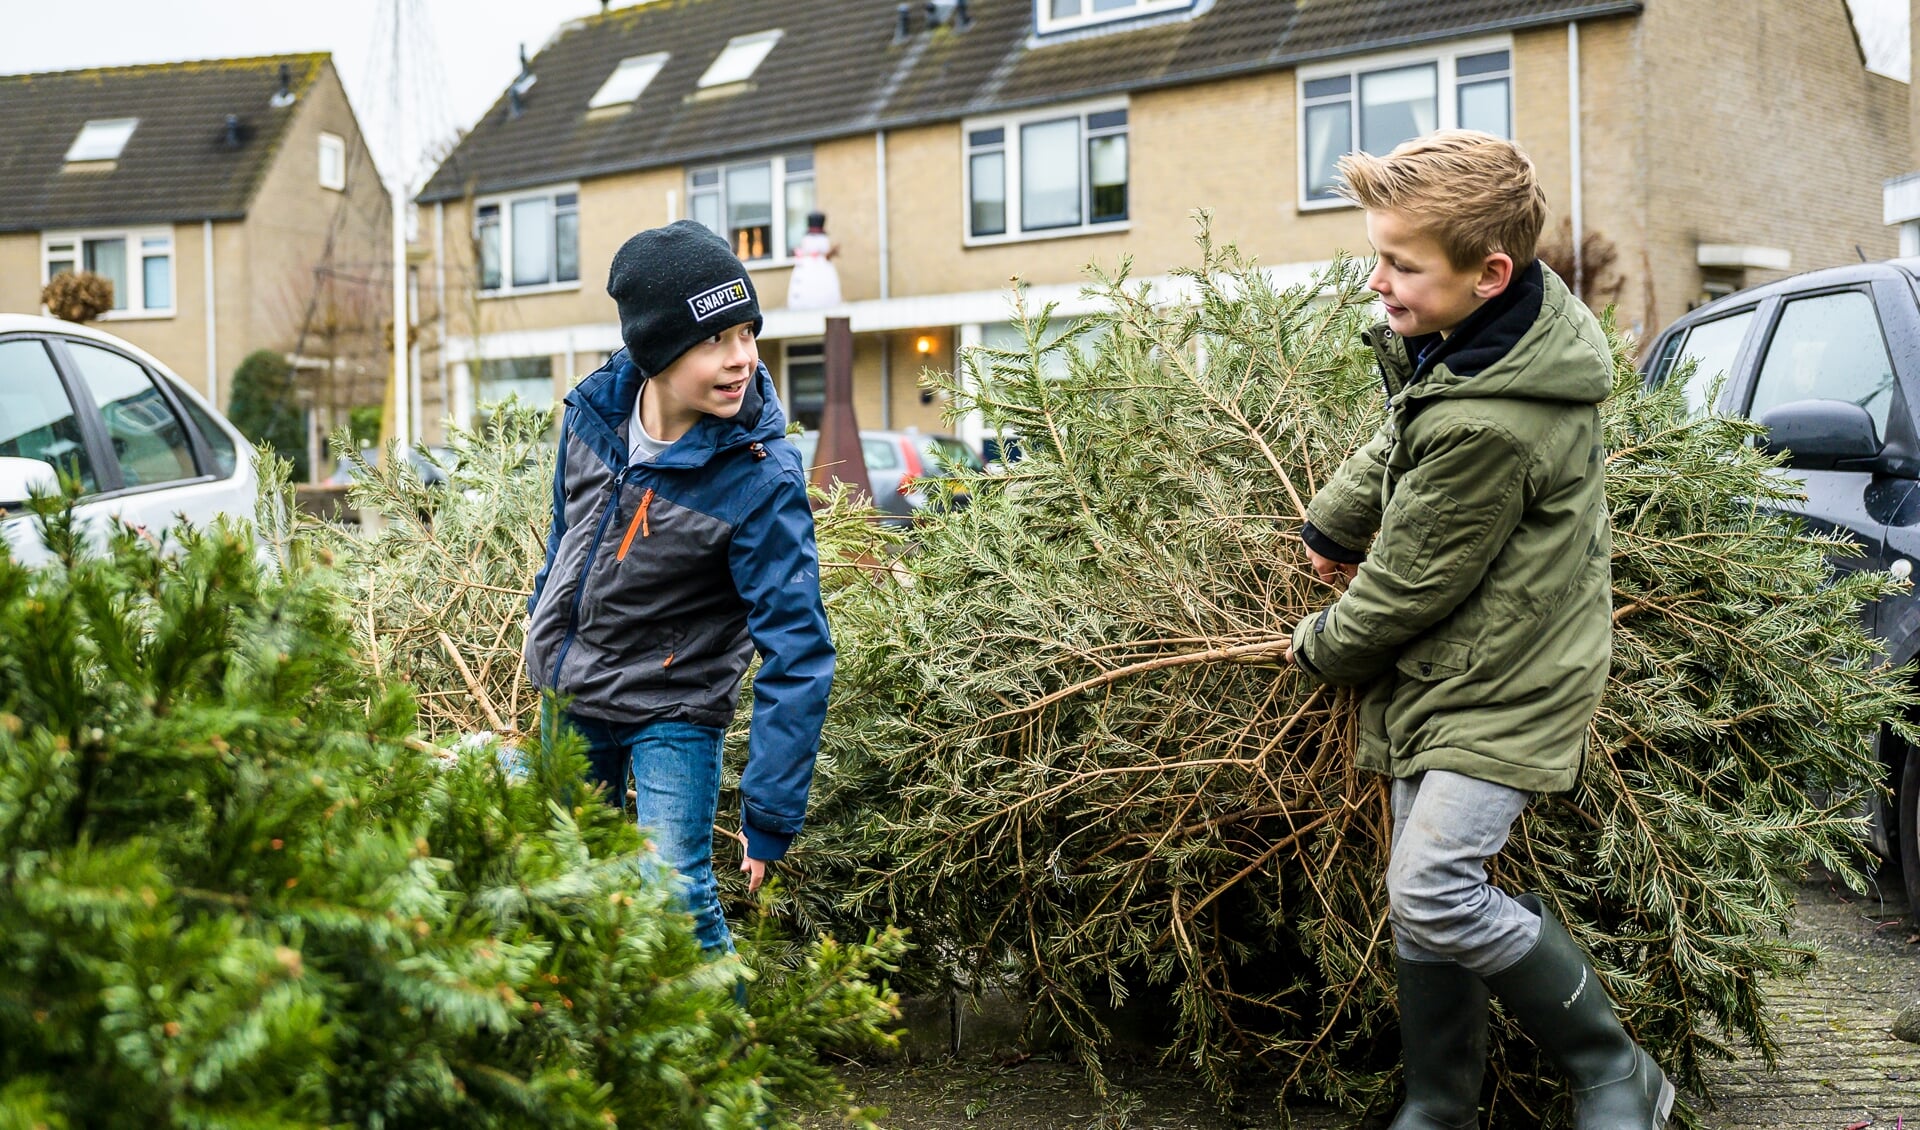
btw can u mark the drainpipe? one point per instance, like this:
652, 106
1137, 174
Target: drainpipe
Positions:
880, 164
440, 304
886, 381
206, 286
1573, 147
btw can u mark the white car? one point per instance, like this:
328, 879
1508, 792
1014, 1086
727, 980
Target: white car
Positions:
147, 448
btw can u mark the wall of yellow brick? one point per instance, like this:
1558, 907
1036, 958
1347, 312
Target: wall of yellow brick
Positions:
1614, 144
847, 188
1763, 128
20, 267
291, 218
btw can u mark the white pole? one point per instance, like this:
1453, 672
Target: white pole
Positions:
213, 335
1573, 147
402, 376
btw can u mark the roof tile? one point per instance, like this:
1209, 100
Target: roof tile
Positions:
177, 165
838, 72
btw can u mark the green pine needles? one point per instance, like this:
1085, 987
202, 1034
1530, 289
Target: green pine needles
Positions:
237, 891
1066, 755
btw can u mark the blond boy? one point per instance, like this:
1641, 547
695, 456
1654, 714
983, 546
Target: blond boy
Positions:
1472, 537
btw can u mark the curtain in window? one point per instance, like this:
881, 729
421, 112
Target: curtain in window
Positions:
1050, 174
750, 210
1398, 105
108, 259
532, 246
1329, 137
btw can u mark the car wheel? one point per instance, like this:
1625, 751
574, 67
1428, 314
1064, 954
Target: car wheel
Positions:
1907, 826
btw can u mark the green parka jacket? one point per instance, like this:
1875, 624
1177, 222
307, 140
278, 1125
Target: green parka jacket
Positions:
1480, 621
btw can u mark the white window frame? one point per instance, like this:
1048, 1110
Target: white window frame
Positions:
1046, 23
781, 178
505, 202
612, 93
1446, 93
137, 255
109, 137
740, 58
1010, 147
810, 350
334, 144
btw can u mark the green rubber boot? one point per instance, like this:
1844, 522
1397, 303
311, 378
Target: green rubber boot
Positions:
1443, 1041
1556, 996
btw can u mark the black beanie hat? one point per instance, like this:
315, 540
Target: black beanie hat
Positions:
677, 286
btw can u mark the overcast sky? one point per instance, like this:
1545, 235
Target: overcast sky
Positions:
474, 42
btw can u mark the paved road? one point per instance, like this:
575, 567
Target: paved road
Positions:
1839, 1063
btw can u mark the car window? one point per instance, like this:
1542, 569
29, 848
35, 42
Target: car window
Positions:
148, 438
225, 457
805, 443
1713, 346
880, 454
950, 455
1827, 347
37, 420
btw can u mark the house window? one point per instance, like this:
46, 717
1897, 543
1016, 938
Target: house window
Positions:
628, 80
138, 263
1065, 15
740, 58
530, 379
806, 383
102, 140
1373, 105
760, 207
529, 242
333, 162
1047, 173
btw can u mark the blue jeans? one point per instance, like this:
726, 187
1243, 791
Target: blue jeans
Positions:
676, 774
1445, 827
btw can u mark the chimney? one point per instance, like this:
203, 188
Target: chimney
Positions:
233, 131
961, 20
902, 31
283, 97
933, 14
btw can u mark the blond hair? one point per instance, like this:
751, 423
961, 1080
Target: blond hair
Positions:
1473, 192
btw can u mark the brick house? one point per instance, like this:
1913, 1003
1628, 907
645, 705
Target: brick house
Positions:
232, 202
1698, 147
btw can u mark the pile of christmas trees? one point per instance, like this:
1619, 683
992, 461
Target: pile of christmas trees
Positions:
1062, 750
1068, 751
236, 889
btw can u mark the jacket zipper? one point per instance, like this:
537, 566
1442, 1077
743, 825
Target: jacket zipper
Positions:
639, 523
580, 582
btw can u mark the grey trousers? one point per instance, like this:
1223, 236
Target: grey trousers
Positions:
1445, 827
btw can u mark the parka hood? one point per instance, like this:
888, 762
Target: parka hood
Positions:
1534, 341
607, 398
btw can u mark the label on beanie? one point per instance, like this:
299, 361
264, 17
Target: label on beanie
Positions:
723, 297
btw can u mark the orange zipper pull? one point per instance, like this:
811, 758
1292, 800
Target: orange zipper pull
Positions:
639, 524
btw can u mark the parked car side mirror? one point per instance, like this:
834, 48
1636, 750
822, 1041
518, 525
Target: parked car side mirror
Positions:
19, 478
1820, 435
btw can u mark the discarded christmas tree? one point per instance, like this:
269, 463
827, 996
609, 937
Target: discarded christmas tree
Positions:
1067, 749
236, 890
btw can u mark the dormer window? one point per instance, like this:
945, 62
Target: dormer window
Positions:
628, 81
1050, 16
740, 58
102, 140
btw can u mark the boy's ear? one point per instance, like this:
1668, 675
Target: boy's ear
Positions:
1496, 271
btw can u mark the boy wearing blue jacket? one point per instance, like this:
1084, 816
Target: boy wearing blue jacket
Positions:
682, 542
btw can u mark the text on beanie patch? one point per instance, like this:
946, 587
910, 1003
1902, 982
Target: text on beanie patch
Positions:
723, 297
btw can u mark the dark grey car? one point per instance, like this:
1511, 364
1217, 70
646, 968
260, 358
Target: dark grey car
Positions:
897, 461
1829, 361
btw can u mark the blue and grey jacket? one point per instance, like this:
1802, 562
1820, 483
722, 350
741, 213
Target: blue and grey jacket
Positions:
662, 578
